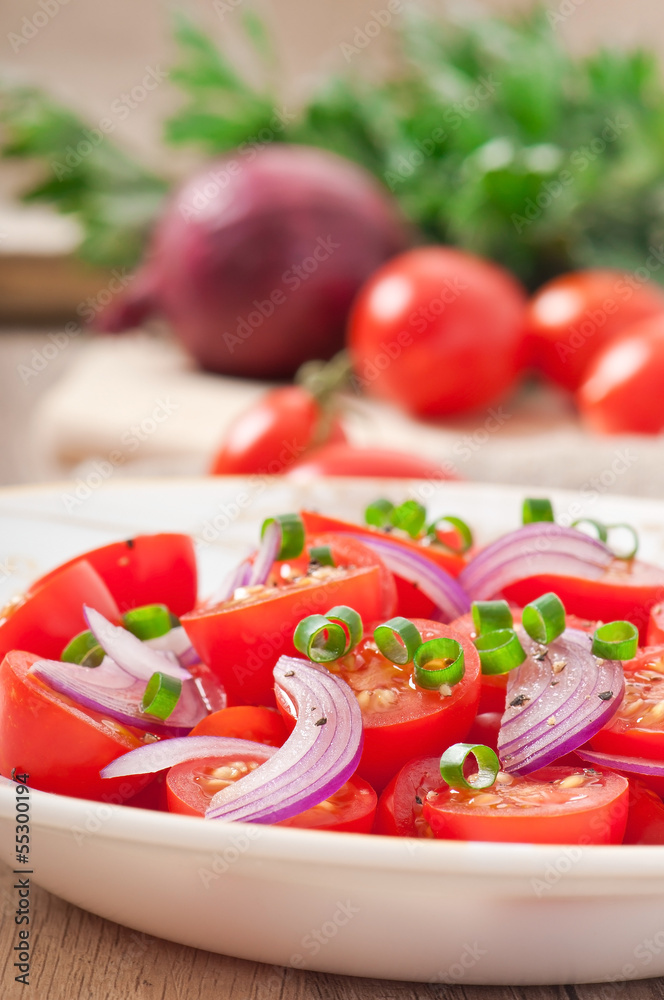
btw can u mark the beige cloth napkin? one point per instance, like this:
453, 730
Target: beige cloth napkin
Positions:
137, 403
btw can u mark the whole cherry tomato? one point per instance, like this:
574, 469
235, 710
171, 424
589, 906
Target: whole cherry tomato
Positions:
275, 432
437, 330
572, 317
622, 392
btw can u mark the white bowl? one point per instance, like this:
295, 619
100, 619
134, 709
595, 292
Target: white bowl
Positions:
391, 908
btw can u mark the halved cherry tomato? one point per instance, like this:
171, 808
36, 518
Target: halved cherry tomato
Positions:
245, 722
241, 640
399, 811
147, 569
645, 816
51, 613
627, 590
637, 728
346, 550
61, 745
411, 602
402, 720
191, 785
572, 317
555, 805
350, 810
275, 432
343, 459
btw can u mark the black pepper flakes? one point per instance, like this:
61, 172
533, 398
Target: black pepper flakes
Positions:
130, 543
418, 800
606, 695
289, 673
321, 722
520, 699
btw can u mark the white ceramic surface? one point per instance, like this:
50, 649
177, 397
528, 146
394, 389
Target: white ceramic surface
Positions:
416, 910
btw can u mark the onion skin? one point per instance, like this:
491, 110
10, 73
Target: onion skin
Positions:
256, 269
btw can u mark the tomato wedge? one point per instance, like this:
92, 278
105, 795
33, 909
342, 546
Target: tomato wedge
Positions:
627, 590
637, 728
60, 745
45, 619
147, 569
241, 640
555, 805
245, 722
402, 720
191, 785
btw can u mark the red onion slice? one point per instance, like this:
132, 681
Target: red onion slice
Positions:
167, 753
238, 577
449, 597
532, 550
177, 642
110, 690
136, 657
320, 755
558, 698
267, 553
630, 765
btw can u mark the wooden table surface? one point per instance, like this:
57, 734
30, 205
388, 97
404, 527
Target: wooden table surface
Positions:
78, 956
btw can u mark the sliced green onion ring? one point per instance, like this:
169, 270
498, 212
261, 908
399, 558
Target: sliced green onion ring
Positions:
292, 534
537, 509
84, 650
428, 671
410, 517
544, 618
322, 554
462, 528
500, 651
379, 513
630, 552
600, 529
349, 619
454, 758
398, 640
148, 622
320, 639
616, 641
490, 616
161, 695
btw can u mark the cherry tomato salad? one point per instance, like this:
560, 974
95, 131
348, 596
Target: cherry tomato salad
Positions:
387, 677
